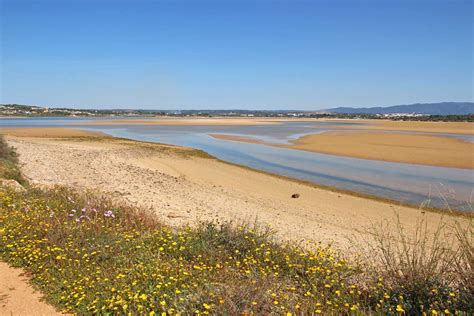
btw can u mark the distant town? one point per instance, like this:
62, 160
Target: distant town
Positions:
20, 110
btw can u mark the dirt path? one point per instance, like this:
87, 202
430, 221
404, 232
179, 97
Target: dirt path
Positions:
17, 297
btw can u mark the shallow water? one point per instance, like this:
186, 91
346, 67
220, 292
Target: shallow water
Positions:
406, 183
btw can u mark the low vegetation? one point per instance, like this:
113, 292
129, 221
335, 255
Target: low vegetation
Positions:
9, 169
155, 148
424, 268
438, 118
91, 255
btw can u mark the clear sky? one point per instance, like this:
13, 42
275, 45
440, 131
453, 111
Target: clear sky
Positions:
235, 54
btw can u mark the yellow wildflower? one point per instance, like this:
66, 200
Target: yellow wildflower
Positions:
400, 309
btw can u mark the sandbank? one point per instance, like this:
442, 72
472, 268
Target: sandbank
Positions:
48, 132
409, 126
395, 147
191, 121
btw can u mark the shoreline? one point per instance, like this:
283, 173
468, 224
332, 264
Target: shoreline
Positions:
203, 154
185, 186
449, 127
185, 121
78, 135
184, 189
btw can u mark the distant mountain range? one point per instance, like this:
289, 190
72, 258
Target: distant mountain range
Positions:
442, 108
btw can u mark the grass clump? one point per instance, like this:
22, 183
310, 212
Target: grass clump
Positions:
427, 272
9, 163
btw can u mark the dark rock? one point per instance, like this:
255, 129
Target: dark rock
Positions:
295, 195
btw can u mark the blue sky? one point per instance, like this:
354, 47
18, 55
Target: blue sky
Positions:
235, 54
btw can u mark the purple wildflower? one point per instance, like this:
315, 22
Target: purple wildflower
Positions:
109, 213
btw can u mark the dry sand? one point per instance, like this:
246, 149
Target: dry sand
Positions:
17, 297
182, 188
50, 132
396, 147
409, 126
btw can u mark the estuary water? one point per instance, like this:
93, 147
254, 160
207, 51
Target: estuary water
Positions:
407, 183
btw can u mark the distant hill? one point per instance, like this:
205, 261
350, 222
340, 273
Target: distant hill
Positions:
442, 108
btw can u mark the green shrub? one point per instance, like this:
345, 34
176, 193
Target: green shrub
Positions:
9, 163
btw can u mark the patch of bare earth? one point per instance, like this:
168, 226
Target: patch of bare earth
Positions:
17, 296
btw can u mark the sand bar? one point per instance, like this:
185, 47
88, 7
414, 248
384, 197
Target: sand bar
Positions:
429, 127
183, 188
191, 121
395, 147
48, 132
409, 126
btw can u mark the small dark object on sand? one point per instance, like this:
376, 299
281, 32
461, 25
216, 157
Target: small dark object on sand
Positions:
295, 195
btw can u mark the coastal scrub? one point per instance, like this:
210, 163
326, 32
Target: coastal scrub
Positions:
92, 255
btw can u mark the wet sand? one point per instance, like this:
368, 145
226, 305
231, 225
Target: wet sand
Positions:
394, 147
190, 121
430, 127
182, 187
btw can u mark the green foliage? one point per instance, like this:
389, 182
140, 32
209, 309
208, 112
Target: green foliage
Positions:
9, 163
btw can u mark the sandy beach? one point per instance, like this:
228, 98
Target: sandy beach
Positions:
396, 147
182, 186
